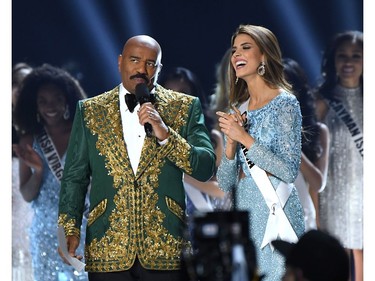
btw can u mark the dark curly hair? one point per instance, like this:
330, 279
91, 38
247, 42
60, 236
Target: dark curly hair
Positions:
328, 70
26, 108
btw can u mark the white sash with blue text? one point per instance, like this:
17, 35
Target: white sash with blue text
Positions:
354, 130
51, 154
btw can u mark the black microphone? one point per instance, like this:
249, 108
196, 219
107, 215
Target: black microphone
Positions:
142, 94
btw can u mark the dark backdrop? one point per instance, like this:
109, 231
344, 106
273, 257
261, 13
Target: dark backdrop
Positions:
86, 36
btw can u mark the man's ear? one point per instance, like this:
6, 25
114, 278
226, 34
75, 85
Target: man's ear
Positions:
119, 59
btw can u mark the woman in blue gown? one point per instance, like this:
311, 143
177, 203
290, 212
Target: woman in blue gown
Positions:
262, 145
44, 114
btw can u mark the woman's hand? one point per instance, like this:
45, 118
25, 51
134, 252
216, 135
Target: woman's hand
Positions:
29, 156
231, 124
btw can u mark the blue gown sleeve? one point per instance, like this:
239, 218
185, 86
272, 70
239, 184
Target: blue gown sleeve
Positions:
282, 157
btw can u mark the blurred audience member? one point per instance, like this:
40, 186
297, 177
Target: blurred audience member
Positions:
317, 256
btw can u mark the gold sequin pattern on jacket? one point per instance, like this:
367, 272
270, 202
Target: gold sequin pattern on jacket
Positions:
136, 222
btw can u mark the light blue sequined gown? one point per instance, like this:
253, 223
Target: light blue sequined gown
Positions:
276, 129
47, 264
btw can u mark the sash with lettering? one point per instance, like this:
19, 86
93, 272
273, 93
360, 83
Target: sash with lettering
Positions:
354, 129
278, 225
50, 153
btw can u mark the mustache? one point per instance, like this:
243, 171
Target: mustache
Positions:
142, 76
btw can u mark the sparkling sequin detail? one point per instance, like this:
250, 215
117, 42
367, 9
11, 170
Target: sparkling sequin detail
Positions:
341, 202
21, 219
276, 128
47, 263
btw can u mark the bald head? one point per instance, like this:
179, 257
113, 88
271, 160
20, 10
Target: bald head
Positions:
140, 62
145, 41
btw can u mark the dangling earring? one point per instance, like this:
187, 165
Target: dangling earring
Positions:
236, 81
66, 113
261, 69
37, 117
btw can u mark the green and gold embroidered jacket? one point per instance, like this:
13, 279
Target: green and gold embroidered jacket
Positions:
130, 215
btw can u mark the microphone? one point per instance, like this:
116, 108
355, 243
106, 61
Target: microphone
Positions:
142, 94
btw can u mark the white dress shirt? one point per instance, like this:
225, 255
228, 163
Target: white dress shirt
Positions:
134, 133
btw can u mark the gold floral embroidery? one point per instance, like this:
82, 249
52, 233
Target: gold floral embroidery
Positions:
175, 208
175, 114
136, 222
69, 225
96, 212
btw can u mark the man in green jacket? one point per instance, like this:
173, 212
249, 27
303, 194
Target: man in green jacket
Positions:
136, 217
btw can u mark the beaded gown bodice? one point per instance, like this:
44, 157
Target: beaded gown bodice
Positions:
276, 129
341, 202
47, 264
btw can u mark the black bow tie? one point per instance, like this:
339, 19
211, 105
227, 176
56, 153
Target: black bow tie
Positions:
131, 102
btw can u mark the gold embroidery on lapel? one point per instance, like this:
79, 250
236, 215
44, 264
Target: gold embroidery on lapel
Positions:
102, 116
174, 111
149, 151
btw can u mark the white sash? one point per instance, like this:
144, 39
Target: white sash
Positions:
50, 153
354, 129
197, 198
278, 224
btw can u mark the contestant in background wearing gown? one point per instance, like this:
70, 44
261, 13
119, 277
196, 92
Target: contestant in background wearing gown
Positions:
340, 106
21, 210
312, 176
44, 115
